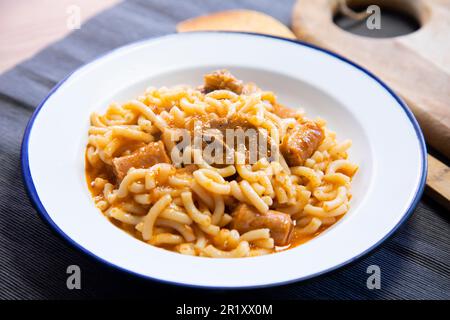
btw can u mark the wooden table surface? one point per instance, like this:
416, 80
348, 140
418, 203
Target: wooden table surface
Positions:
27, 26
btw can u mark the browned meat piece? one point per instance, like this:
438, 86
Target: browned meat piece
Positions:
222, 80
235, 122
284, 112
299, 143
187, 169
253, 151
144, 157
247, 218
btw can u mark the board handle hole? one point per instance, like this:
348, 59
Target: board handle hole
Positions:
380, 18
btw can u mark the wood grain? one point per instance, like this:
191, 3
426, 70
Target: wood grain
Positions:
28, 26
438, 181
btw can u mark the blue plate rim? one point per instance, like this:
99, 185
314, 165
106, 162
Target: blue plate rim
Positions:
34, 197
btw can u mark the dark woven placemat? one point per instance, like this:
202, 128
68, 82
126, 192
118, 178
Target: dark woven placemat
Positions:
33, 260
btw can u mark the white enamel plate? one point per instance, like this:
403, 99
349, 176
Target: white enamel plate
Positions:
387, 144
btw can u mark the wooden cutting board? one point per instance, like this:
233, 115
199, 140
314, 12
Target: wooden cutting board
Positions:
417, 65
438, 180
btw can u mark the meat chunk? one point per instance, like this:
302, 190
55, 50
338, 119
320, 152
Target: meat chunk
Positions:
299, 143
222, 80
247, 218
234, 122
252, 148
144, 157
285, 112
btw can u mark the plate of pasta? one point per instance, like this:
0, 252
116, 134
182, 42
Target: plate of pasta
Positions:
222, 159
